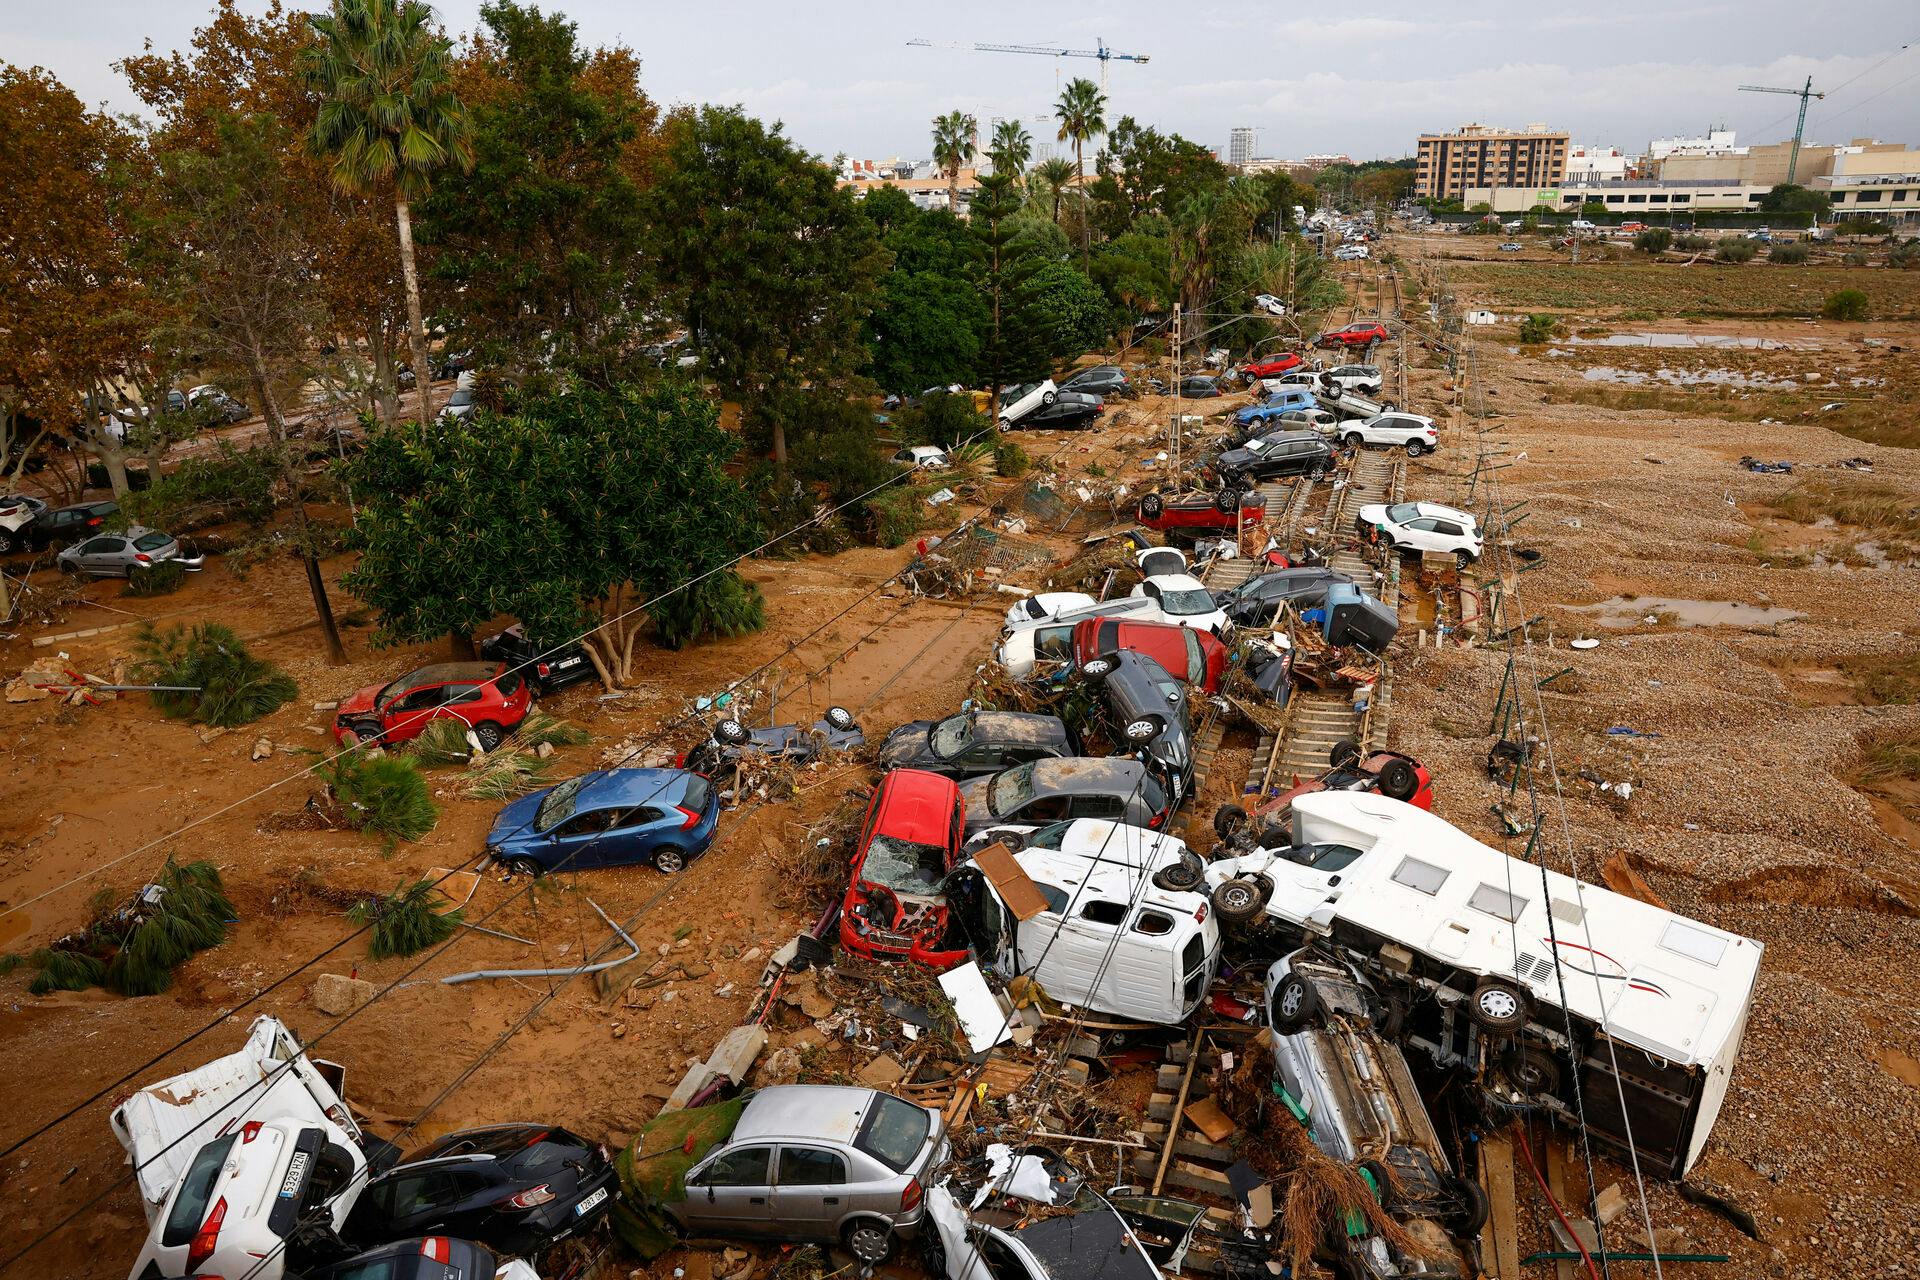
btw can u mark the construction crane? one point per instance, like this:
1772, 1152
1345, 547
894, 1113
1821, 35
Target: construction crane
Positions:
1803, 93
1100, 51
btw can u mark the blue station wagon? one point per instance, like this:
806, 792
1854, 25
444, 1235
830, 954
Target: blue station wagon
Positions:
612, 817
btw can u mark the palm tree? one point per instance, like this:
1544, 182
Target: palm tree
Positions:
1012, 147
953, 135
388, 114
1055, 173
1080, 114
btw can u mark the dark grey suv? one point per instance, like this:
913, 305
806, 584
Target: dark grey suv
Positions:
1146, 714
1285, 453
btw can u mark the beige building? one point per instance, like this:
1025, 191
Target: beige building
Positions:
1880, 181
1478, 155
1766, 166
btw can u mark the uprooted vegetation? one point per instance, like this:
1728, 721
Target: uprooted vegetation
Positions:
385, 795
134, 946
215, 680
406, 921
1890, 514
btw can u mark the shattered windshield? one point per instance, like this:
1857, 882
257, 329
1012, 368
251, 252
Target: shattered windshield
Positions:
904, 866
1186, 602
1403, 512
559, 804
951, 736
1010, 790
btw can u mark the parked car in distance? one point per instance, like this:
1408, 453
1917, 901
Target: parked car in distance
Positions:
425, 1258
1364, 378
1210, 512
487, 697
17, 511
971, 743
450, 364
1099, 380
1066, 409
518, 1188
909, 840
1017, 402
1422, 526
1181, 600
216, 402
548, 670
1253, 602
1581, 224
608, 818
1049, 791
1509, 247
123, 554
822, 1163
1270, 304
1199, 386
58, 526
1360, 333
1046, 604
927, 457
1272, 365
1409, 431
1284, 453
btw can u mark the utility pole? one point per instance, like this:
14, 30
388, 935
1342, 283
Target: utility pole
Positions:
1174, 453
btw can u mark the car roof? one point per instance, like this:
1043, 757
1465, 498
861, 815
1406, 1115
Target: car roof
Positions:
824, 1112
1178, 582
1020, 726
1087, 773
627, 786
1106, 858
446, 672
916, 805
1438, 509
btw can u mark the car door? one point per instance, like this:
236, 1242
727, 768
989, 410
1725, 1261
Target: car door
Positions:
409, 714
101, 555
415, 1201
809, 1192
732, 1193
1448, 536
983, 758
579, 842
1419, 534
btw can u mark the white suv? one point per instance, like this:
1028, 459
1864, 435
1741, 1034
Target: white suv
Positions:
1180, 600
1364, 378
1394, 430
1423, 526
1017, 402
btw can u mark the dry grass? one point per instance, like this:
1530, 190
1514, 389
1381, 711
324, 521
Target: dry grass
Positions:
1889, 679
1892, 514
1750, 292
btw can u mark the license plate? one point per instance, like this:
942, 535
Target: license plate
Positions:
569, 662
296, 1175
592, 1200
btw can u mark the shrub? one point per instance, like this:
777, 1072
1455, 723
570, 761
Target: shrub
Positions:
1845, 304
1538, 328
190, 915
161, 578
385, 794
1692, 243
404, 922
235, 688
723, 604
1010, 460
897, 515
1789, 254
1905, 255
1654, 240
229, 484
943, 418
1864, 227
1857, 258
1736, 250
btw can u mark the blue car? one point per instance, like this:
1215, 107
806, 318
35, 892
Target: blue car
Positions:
611, 817
1278, 403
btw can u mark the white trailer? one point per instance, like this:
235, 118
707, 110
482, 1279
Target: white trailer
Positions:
1547, 981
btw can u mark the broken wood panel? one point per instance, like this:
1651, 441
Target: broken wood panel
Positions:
1500, 1238
1557, 1183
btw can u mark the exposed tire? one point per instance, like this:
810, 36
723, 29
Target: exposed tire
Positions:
367, 731
868, 1241
1143, 730
731, 733
1097, 668
933, 1252
1182, 875
1229, 820
1345, 754
1227, 502
1399, 779
1294, 1004
669, 861
1353, 440
1151, 506
1472, 1212
6, 541
840, 718
525, 867
490, 734
1464, 559
1238, 900
1498, 1006
1319, 471
1048, 397
1382, 1180
1415, 448
1533, 1072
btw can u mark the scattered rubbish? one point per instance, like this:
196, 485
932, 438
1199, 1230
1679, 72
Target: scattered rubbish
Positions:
1585, 642
1622, 731
1766, 468
943, 496
982, 1020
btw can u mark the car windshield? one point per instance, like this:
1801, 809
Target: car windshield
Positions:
1402, 513
951, 736
894, 1131
1010, 790
196, 1189
559, 804
460, 398
1050, 837
1186, 603
906, 866
1256, 445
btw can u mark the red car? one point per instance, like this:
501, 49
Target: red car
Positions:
1209, 512
909, 841
1196, 657
1272, 366
1397, 776
485, 696
1358, 334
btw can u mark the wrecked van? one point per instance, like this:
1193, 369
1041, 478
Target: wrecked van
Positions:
1488, 967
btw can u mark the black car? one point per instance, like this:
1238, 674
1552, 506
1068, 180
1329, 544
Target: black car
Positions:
420, 1258
450, 364
1251, 604
58, 526
1067, 409
548, 670
975, 742
517, 1188
1146, 713
1046, 791
838, 731
1285, 453
1200, 386
1100, 380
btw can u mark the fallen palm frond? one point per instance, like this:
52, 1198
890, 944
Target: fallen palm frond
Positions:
405, 921
384, 794
506, 774
540, 727
162, 578
134, 946
443, 741
233, 687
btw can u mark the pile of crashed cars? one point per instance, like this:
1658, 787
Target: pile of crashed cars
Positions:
1023, 849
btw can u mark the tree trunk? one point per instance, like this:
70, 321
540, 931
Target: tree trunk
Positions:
953, 190
416, 327
115, 461
1086, 223
316, 582
779, 441
385, 391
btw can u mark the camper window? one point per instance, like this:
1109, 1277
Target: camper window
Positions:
1107, 913
1323, 857
1498, 902
1423, 876
1193, 955
1695, 944
1153, 922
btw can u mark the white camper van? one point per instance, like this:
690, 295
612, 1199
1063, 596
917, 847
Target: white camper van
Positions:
1087, 910
1491, 966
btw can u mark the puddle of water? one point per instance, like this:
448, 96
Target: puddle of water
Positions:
1622, 612
1687, 378
1695, 340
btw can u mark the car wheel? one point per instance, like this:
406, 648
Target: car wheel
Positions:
1464, 559
731, 733
1048, 397
525, 867
1533, 1072
489, 734
367, 731
1498, 1006
1238, 900
1415, 448
1353, 440
868, 1241
6, 541
933, 1253
841, 719
1294, 1004
1471, 1215
1319, 471
1151, 506
1399, 780
1096, 668
669, 860
1229, 820
1182, 875
1345, 754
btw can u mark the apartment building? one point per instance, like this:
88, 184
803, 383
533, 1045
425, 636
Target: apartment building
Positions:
1240, 145
1478, 155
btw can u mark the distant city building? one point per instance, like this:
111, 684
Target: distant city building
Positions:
1313, 164
1483, 156
1872, 180
1766, 166
1240, 145
1596, 164
1718, 141
1635, 196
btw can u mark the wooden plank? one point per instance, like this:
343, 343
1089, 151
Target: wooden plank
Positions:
1500, 1238
1557, 1183
1173, 1120
1206, 1116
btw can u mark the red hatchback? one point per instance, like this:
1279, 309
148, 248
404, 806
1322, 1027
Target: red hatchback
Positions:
1359, 334
1272, 366
909, 841
1196, 657
485, 696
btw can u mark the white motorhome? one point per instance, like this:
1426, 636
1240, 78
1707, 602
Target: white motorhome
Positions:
164, 1125
1495, 961
1086, 910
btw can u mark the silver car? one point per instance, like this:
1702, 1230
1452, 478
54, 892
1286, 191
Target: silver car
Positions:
120, 555
819, 1162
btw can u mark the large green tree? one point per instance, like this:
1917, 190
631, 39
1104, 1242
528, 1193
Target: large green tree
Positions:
388, 119
1081, 112
566, 511
953, 135
1015, 343
774, 266
931, 316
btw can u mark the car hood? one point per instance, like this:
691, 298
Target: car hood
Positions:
517, 818
1372, 513
361, 701
906, 745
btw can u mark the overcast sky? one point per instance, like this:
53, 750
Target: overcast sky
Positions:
840, 73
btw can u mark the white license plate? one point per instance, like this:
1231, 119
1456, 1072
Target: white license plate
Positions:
592, 1200
569, 662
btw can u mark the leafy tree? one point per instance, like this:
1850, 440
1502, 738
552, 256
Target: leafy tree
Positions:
1736, 249
1015, 345
463, 521
1538, 328
1077, 314
1788, 197
1081, 112
888, 207
1846, 304
931, 318
541, 241
774, 264
1145, 171
1593, 209
953, 135
1012, 147
1790, 254
1654, 240
388, 115
1135, 270
945, 419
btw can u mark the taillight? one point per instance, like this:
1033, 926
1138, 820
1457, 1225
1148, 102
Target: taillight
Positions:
91, 523
249, 1132
1200, 914
143, 557
543, 669
208, 1237
1156, 819
436, 1248
910, 1195
693, 819
531, 1198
